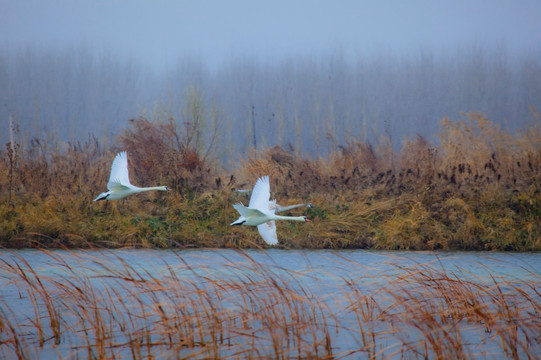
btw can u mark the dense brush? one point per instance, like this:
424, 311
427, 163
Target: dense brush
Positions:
479, 188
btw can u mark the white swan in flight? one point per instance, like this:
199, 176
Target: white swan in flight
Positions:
279, 208
260, 212
119, 182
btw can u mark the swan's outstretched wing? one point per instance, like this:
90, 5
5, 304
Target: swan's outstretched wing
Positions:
268, 232
261, 195
247, 212
119, 178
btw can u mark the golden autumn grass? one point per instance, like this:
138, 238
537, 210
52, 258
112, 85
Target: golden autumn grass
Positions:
99, 305
479, 188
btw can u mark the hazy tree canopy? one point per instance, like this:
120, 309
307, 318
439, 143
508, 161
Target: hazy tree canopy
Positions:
307, 103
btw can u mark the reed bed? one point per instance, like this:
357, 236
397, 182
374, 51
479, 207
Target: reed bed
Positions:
479, 188
101, 305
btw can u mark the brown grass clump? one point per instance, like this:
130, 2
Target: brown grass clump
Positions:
161, 153
46, 168
353, 167
470, 192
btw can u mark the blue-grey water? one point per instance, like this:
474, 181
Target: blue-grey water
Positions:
323, 272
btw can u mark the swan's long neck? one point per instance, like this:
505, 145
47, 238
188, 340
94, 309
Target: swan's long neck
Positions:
291, 218
151, 188
286, 208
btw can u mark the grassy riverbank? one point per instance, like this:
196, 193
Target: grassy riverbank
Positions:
478, 189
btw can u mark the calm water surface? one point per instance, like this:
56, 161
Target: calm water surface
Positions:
323, 263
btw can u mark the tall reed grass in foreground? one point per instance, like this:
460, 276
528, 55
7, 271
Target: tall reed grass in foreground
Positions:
479, 188
102, 307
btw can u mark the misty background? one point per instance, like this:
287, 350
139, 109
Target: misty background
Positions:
306, 75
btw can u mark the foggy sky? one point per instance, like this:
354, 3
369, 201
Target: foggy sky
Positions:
158, 33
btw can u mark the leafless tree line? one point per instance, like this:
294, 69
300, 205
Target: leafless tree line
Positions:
309, 105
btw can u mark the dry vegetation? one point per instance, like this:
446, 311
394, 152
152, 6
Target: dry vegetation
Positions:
99, 306
479, 188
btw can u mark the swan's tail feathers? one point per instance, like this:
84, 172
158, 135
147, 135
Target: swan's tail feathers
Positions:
268, 232
240, 208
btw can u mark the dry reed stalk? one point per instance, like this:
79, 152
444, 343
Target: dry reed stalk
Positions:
441, 307
11, 337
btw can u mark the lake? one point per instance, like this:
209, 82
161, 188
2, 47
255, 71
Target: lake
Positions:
268, 303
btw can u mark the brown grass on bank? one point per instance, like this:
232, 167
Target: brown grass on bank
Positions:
474, 155
161, 154
100, 305
47, 168
478, 189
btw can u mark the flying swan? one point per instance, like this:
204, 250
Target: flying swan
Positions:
260, 212
277, 207
119, 183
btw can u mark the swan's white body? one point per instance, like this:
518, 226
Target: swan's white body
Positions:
260, 212
119, 182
